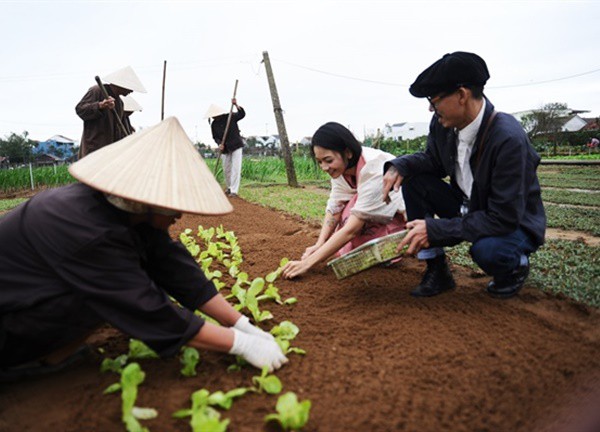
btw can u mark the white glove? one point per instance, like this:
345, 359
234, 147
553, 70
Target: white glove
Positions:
257, 351
243, 324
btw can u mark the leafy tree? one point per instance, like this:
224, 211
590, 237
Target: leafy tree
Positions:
18, 148
547, 120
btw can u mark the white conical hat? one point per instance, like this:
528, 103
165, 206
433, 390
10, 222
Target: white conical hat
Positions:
130, 104
214, 111
158, 166
125, 78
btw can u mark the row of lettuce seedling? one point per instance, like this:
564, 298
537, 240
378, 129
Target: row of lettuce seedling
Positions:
217, 249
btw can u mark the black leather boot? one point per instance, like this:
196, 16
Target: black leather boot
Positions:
436, 280
508, 286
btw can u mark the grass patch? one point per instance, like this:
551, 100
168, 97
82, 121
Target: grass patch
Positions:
578, 219
8, 204
309, 205
561, 196
557, 267
574, 177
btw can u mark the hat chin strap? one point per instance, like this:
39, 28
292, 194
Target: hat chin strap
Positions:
128, 205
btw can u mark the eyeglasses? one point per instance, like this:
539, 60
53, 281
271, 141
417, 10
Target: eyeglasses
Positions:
435, 100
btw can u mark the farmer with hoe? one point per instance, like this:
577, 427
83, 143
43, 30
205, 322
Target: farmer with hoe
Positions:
355, 210
493, 199
104, 120
226, 133
75, 257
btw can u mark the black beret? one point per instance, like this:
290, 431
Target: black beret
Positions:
450, 72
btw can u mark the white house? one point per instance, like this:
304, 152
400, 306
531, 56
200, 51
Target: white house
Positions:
570, 120
406, 130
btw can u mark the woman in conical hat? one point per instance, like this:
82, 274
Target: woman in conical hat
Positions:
97, 251
230, 142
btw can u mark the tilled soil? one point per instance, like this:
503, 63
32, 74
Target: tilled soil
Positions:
377, 359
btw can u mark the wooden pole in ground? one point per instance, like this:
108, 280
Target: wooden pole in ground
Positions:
226, 128
285, 144
162, 106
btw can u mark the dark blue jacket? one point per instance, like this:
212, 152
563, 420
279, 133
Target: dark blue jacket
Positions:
506, 192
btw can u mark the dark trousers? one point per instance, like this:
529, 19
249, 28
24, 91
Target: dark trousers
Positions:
426, 196
30, 334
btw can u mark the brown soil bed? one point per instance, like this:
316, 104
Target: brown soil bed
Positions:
377, 359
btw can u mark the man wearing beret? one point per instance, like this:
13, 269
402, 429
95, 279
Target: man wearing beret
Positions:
493, 199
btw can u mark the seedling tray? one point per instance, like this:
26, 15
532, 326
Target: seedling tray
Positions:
376, 251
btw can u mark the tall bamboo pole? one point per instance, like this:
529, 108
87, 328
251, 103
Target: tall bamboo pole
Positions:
285, 144
162, 107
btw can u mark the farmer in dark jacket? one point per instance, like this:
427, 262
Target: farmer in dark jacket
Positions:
493, 199
75, 257
231, 147
99, 114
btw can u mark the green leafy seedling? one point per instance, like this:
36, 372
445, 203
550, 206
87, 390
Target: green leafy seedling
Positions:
203, 417
291, 414
139, 350
131, 377
114, 365
268, 383
275, 274
189, 359
225, 400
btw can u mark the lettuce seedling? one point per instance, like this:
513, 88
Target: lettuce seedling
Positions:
272, 292
114, 365
284, 333
131, 377
139, 350
275, 274
291, 414
268, 383
225, 400
189, 359
204, 418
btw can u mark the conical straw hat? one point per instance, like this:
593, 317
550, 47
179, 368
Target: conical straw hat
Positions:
130, 104
125, 78
214, 111
158, 166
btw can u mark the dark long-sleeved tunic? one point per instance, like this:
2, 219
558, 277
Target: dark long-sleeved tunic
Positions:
70, 261
100, 126
233, 141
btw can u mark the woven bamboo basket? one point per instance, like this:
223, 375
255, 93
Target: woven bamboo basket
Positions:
376, 251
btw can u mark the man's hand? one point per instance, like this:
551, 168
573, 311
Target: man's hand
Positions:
295, 268
234, 101
243, 324
108, 103
416, 237
391, 180
221, 147
257, 351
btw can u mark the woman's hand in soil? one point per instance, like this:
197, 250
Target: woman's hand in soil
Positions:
257, 351
310, 250
295, 268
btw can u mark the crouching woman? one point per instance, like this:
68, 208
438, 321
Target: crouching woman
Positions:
356, 211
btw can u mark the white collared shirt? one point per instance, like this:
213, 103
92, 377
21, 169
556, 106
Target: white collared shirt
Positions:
465, 142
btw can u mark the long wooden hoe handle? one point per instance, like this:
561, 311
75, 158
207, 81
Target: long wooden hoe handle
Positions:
226, 128
114, 111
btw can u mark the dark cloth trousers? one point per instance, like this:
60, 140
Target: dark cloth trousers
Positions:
30, 334
426, 195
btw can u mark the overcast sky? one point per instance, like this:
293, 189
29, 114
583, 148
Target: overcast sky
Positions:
344, 61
